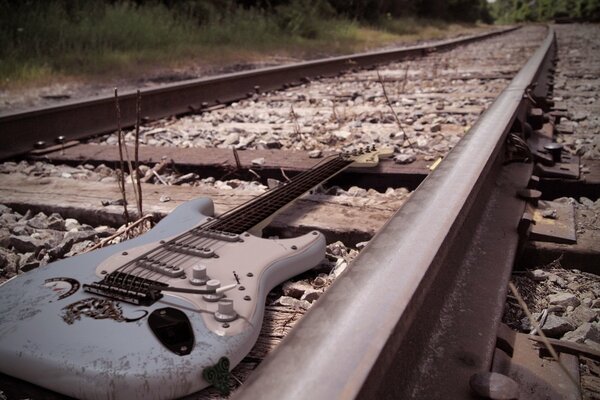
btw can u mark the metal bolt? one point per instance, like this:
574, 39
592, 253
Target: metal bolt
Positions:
294, 247
242, 288
534, 182
247, 298
524, 224
555, 150
250, 274
124, 253
530, 195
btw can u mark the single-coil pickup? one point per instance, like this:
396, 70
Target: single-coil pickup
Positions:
161, 267
218, 235
183, 248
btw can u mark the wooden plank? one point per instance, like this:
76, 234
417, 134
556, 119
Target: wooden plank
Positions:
221, 162
338, 217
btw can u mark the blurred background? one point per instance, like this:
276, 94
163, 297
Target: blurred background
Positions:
48, 41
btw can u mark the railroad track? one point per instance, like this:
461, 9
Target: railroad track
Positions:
410, 281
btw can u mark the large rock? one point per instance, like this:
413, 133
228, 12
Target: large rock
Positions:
26, 244
296, 289
587, 331
556, 326
582, 314
564, 299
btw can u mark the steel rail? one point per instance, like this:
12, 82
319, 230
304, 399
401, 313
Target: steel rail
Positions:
417, 313
74, 120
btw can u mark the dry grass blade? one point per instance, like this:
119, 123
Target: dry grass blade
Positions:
536, 326
138, 174
295, 118
389, 103
127, 229
121, 180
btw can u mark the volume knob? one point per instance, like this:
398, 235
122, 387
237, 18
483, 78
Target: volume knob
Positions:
213, 284
225, 311
199, 276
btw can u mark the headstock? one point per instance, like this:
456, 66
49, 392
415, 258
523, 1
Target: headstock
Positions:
368, 156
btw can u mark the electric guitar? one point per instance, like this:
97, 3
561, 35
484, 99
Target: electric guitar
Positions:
165, 314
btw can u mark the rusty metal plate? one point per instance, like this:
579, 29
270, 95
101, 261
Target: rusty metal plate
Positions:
553, 222
528, 363
569, 170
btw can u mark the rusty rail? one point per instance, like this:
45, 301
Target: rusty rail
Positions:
417, 314
21, 131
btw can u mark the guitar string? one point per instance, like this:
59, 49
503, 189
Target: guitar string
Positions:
316, 177
222, 223
193, 237
196, 237
131, 266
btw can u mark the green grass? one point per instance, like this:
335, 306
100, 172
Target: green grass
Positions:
45, 41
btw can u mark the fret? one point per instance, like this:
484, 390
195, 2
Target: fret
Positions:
257, 210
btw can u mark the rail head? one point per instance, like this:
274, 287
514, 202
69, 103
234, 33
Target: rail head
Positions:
75, 120
364, 319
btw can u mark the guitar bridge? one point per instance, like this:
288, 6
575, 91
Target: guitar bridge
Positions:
128, 288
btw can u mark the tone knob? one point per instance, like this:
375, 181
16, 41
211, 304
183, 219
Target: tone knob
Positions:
213, 284
199, 276
225, 311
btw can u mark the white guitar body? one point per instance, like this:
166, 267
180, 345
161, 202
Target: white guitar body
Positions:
58, 336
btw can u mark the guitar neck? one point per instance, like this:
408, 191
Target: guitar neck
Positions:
252, 213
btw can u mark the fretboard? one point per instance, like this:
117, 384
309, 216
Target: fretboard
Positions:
252, 213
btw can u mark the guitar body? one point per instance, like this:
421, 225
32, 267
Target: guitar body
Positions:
58, 336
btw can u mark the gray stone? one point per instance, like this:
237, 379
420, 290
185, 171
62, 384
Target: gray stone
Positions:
588, 330
574, 286
493, 385
21, 229
80, 236
230, 139
435, 128
311, 295
561, 282
556, 326
586, 301
104, 231
342, 134
3, 260
582, 314
4, 237
56, 222
538, 275
296, 289
292, 302
563, 299
26, 244
590, 343
315, 154
550, 214
79, 248
8, 219
61, 249
4, 209
258, 161
49, 237
71, 223
25, 217
27, 262
404, 158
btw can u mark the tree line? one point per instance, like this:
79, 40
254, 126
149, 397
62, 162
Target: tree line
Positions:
545, 10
